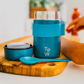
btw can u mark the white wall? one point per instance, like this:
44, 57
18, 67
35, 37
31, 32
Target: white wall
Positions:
13, 16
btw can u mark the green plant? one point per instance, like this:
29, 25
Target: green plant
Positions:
43, 3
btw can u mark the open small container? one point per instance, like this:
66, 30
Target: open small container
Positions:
14, 51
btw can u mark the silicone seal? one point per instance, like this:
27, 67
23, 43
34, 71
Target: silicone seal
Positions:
18, 45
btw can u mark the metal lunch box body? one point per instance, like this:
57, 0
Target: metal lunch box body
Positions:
47, 38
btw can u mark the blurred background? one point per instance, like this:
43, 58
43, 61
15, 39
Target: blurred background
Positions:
16, 16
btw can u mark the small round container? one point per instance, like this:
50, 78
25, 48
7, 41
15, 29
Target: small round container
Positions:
15, 52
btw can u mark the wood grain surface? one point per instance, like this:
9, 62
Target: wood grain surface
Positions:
41, 69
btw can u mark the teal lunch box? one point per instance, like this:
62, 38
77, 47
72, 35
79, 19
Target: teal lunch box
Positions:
14, 54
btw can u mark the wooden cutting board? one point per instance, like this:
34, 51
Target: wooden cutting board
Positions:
42, 69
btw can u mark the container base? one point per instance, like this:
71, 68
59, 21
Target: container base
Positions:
46, 57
